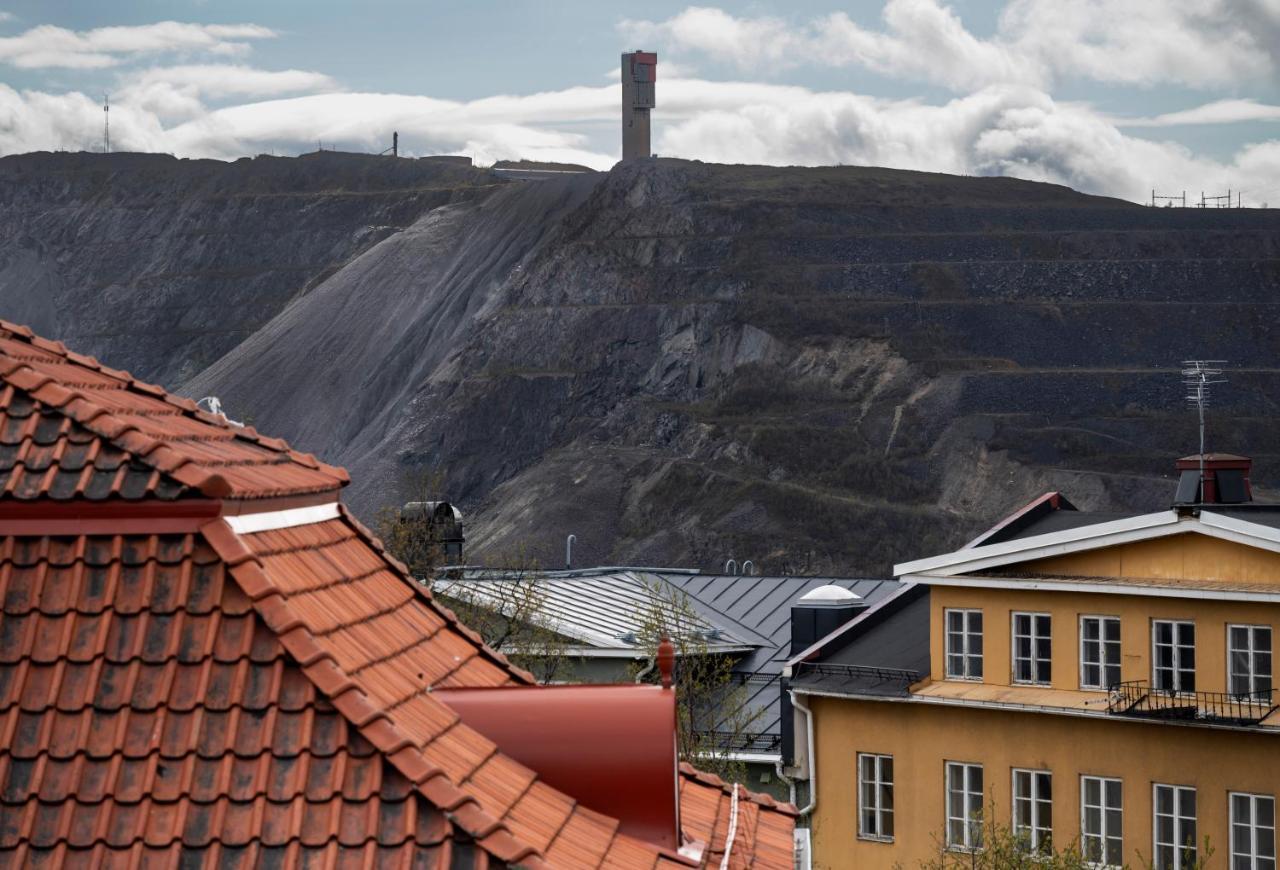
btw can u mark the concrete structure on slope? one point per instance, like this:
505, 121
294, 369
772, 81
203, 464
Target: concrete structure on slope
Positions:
206, 660
1094, 680
639, 73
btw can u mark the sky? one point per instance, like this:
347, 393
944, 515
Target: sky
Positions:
1113, 97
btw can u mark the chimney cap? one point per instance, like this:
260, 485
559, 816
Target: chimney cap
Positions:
829, 595
1215, 457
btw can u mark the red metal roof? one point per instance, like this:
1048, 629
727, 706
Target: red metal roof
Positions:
583, 739
74, 429
173, 689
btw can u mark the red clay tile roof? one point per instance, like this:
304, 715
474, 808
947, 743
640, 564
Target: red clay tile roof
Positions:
376, 644
764, 834
147, 713
246, 697
72, 428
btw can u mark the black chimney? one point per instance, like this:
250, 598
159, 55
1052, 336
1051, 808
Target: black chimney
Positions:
1226, 479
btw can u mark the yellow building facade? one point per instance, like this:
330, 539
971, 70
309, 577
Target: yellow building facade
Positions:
1106, 686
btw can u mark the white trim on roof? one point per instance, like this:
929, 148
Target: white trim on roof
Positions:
1092, 537
248, 524
1171, 590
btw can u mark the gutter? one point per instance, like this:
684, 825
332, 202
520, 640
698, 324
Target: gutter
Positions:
811, 752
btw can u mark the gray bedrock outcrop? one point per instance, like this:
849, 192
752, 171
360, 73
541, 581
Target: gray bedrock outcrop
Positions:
160, 266
818, 369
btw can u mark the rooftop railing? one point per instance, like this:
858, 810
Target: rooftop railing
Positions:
861, 676
1138, 698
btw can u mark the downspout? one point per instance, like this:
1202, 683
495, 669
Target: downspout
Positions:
811, 751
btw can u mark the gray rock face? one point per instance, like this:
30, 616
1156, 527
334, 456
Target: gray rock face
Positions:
817, 369
161, 266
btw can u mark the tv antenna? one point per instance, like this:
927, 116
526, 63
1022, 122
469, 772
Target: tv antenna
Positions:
1198, 375
106, 124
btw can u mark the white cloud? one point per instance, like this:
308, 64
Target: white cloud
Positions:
999, 130
1198, 43
1217, 112
747, 42
48, 46
178, 91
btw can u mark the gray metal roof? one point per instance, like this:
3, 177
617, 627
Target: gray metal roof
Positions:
605, 610
751, 615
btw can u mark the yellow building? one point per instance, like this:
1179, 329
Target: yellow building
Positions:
1083, 679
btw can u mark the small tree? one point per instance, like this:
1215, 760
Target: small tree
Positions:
1005, 848
507, 608
712, 714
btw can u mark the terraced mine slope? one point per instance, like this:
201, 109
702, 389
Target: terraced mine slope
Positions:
817, 369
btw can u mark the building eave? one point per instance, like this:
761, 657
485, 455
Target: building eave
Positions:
1014, 707
1131, 529
1119, 587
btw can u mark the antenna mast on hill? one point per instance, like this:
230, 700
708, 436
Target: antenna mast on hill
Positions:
106, 124
1198, 375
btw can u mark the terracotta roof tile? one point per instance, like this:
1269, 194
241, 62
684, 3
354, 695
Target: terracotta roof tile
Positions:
70, 428
177, 727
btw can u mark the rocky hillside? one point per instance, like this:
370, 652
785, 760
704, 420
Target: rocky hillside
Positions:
818, 369
161, 266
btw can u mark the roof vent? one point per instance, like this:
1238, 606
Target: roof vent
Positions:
821, 611
1213, 478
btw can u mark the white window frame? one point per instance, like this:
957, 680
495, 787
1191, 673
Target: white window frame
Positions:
972, 821
1181, 851
877, 783
1102, 620
1177, 655
1252, 652
966, 653
1254, 859
1041, 836
1034, 617
1104, 833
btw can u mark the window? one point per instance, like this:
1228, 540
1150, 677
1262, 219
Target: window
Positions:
964, 806
1173, 660
1099, 652
1249, 658
1175, 827
1031, 648
1033, 808
964, 644
1102, 820
875, 796
1253, 831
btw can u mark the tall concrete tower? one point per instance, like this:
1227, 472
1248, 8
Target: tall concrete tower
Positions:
639, 71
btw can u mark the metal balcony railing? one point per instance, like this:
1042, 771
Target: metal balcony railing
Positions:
1138, 698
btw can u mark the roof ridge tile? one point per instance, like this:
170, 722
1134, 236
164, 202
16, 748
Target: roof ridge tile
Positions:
365, 534
373, 722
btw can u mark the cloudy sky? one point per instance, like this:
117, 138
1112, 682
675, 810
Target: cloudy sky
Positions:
1109, 96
